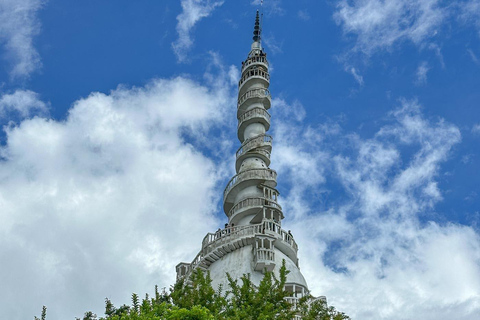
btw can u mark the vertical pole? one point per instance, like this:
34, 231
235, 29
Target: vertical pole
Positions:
261, 16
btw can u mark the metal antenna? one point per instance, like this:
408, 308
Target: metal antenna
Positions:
261, 15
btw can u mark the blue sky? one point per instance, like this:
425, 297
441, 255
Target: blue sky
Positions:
119, 136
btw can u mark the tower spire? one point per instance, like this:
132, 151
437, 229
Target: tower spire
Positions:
257, 30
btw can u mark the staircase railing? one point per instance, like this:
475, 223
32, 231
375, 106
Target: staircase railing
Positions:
261, 174
255, 142
229, 235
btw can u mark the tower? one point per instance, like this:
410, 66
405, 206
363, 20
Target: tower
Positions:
254, 240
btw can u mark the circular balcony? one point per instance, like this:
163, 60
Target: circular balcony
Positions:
254, 96
247, 178
255, 59
255, 115
259, 146
232, 238
218, 244
253, 76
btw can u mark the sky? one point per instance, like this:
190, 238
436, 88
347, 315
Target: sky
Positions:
119, 133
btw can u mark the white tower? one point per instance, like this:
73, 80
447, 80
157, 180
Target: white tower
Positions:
254, 240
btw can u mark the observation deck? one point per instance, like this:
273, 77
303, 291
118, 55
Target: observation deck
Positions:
218, 244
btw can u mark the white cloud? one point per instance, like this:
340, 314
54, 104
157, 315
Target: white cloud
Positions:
476, 128
378, 25
22, 101
193, 12
353, 71
473, 56
422, 71
369, 252
272, 44
18, 26
383, 26
303, 15
271, 6
470, 12
438, 53
109, 200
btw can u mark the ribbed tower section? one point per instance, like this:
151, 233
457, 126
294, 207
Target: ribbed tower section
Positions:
253, 241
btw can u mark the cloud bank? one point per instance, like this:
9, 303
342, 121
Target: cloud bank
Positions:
108, 201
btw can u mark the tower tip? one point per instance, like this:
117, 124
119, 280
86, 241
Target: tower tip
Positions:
257, 31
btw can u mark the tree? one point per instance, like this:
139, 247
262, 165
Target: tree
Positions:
44, 314
317, 309
265, 302
195, 299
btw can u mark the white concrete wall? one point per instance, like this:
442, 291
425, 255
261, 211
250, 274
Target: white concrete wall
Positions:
240, 262
253, 129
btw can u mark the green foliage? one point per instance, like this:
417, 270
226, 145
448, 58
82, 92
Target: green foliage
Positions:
195, 299
317, 309
198, 293
265, 302
89, 315
44, 314
135, 303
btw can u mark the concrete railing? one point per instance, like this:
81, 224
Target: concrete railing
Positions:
196, 261
285, 236
260, 174
214, 240
255, 93
261, 152
253, 60
262, 255
254, 113
255, 142
229, 235
253, 202
259, 73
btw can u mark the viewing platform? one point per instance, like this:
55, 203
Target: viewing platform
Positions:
218, 244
